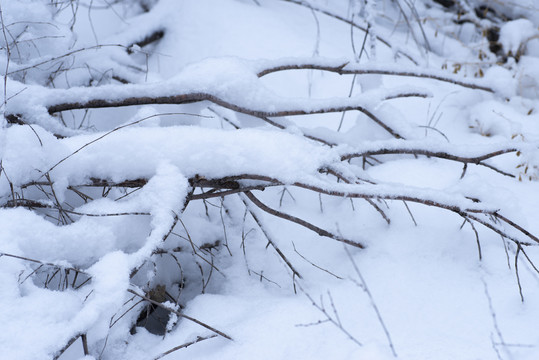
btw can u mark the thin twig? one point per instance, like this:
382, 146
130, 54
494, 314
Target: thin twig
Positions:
516, 272
110, 132
183, 346
373, 303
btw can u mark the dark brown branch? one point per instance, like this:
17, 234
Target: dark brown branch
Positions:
359, 195
380, 211
233, 185
500, 231
353, 70
478, 160
406, 95
516, 272
197, 97
210, 195
84, 339
17, 119
493, 168
516, 226
232, 182
200, 181
301, 222
27, 203
42, 262
127, 183
369, 201
428, 202
155, 36
14, 119
529, 260
439, 154
276, 124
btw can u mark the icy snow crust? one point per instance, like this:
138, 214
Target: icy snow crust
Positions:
426, 286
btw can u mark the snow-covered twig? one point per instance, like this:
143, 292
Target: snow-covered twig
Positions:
183, 346
348, 68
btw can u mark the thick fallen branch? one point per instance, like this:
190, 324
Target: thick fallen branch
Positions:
31, 204
189, 98
465, 207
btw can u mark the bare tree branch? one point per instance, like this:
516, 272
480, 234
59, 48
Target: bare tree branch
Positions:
301, 222
355, 69
183, 346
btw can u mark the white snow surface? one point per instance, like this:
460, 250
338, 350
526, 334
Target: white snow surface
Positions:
432, 284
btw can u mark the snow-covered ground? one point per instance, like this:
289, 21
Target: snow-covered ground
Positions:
411, 215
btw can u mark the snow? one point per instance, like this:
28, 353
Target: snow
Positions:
431, 283
516, 33
130, 153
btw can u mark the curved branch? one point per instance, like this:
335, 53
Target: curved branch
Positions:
232, 185
372, 193
430, 153
354, 69
189, 98
464, 212
477, 160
